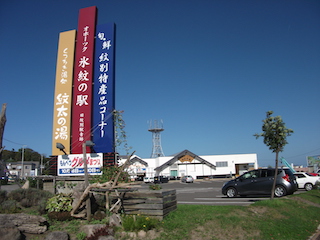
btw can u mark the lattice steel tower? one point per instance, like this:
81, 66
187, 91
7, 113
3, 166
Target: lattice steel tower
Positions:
156, 128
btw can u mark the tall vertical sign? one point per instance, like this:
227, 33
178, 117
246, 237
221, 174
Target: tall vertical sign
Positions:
104, 88
83, 78
63, 92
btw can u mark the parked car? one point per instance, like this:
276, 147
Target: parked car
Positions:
139, 178
172, 177
306, 180
314, 174
187, 179
12, 178
148, 179
260, 182
161, 179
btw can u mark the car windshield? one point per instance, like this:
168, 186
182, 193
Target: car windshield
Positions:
251, 174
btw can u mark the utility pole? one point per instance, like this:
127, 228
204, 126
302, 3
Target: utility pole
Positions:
3, 121
22, 162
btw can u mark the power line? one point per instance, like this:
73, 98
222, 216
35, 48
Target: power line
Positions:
13, 142
303, 154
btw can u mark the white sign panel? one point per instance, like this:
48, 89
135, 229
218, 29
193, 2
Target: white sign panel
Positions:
73, 165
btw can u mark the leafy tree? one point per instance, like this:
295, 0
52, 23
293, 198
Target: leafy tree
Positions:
120, 133
109, 173
274, 136
14, 156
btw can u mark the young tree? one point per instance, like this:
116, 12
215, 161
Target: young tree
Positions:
274, 133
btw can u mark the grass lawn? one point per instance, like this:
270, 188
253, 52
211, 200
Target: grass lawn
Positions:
288, 218
292, 217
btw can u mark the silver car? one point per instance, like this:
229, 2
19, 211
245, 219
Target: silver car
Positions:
187, 179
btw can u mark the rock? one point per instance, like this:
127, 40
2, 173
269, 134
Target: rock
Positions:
106, 238
99, 215
9, 231
59, 216
142, 234
152, 234
115, 220
90, 229
132, 235
57, 235
25, 222
26, 185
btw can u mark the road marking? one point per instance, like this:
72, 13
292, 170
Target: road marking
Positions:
212, 203
194, 189
228, 199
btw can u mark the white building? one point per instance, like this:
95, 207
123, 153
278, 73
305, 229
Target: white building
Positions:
188, 163
23, 169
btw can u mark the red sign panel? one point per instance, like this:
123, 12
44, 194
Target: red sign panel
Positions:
83, 74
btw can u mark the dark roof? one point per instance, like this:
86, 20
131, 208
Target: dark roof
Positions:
181, 154
137, 159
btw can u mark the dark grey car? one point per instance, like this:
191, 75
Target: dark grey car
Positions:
260, 181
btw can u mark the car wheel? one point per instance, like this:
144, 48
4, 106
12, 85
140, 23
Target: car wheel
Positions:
280, 191
308, 186
231, 192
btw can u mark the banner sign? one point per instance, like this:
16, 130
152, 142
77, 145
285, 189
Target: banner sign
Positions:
73, 165
104, 89
63, 92
83, 75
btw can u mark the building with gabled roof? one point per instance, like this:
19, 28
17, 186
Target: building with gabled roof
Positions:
189, 163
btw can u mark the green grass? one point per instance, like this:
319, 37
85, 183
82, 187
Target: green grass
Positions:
288, 218
284, 218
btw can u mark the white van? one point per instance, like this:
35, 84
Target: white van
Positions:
148, 179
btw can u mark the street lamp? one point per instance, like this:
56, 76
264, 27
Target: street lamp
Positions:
86, 180
61, 148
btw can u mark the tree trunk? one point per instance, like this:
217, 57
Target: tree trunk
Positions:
275, 176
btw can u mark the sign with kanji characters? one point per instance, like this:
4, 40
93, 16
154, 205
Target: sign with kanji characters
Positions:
186, 158
84, 98
63, 92
73, 164
103, 94
82, 80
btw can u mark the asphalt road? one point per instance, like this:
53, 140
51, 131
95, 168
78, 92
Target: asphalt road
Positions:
207, 192
9, 187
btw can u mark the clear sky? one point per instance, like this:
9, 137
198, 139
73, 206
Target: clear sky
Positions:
209, 69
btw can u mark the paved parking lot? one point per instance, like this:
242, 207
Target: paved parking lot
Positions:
207, 192
9, 187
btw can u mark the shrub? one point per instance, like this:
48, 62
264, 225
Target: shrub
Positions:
29, 197
25, 203
9, 206
134, 223
109, 173
41, 207
3, 196
35, 183
155, 187
81, 235
105, 231
59, 203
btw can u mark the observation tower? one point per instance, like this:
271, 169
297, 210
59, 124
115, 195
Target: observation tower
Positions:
156, 128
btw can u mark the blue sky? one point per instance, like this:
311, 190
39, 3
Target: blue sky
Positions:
209, 69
